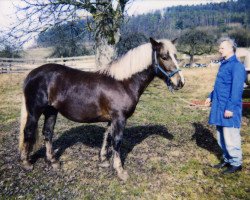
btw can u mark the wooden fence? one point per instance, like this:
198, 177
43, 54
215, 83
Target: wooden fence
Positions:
17, 65
85, 63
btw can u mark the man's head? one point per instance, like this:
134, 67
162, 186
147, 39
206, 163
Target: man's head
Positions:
227, 47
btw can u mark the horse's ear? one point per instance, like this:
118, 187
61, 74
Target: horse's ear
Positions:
174, 40
155, 44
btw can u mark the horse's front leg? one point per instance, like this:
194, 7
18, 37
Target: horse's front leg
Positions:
117, 136
104, 149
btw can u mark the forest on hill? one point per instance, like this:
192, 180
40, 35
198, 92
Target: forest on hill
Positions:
167, 22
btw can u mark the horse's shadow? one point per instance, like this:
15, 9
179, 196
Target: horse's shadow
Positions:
204, 138
92, 136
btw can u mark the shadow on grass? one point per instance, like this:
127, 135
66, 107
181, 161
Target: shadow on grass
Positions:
92, 136
204, 138
135, 135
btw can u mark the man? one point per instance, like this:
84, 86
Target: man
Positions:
226, 108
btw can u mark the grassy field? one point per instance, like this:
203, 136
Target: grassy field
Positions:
168, 150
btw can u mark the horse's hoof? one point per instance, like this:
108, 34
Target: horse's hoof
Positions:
56, 165
123, 175
27, 166
104, 164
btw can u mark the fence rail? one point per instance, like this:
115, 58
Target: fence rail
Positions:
17, 65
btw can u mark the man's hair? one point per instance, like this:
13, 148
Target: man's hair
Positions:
230, 41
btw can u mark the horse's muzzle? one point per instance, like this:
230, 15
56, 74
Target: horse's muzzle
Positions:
179, 85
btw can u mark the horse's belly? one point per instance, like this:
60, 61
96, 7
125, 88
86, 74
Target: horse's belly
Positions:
84, 113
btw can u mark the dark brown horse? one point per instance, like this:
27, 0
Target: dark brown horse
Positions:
108, 95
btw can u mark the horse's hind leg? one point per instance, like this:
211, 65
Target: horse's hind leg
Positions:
117, 135
104, 149
49, 122
30, 137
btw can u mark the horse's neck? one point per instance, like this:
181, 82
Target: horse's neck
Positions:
139, 82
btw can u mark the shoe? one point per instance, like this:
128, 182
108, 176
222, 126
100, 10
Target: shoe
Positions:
221, 165
232, 169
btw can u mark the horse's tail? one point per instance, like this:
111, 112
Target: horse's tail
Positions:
23, 121
247, 65
247, 60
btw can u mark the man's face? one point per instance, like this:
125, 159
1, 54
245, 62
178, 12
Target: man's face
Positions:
226, 49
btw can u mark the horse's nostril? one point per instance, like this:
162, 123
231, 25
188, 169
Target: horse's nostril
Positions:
181, 84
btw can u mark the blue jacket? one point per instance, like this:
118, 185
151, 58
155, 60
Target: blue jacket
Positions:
227, 93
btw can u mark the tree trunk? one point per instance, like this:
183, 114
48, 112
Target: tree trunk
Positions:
191, 59
107, 33
105, 52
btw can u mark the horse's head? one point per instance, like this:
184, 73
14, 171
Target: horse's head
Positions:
165, 63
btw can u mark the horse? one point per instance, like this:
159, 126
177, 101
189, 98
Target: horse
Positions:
245, 54
109, 94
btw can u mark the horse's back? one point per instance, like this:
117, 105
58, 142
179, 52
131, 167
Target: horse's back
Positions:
48, 73
40, 79
48, 69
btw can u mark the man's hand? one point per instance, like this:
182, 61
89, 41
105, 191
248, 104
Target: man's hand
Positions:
208, 102
228, 114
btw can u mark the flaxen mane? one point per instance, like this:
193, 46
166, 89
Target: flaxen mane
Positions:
134, 61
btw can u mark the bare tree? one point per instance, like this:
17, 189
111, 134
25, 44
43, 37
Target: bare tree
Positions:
104, 17
195, 42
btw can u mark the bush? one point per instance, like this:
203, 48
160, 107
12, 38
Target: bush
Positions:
130, 41
69, 50
66, 39
9, 52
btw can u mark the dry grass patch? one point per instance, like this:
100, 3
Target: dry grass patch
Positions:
199, 82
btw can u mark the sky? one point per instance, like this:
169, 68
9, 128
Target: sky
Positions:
6, 10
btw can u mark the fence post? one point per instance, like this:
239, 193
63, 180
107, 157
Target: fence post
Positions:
8, 68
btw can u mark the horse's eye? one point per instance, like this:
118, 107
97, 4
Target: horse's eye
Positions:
164, 57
